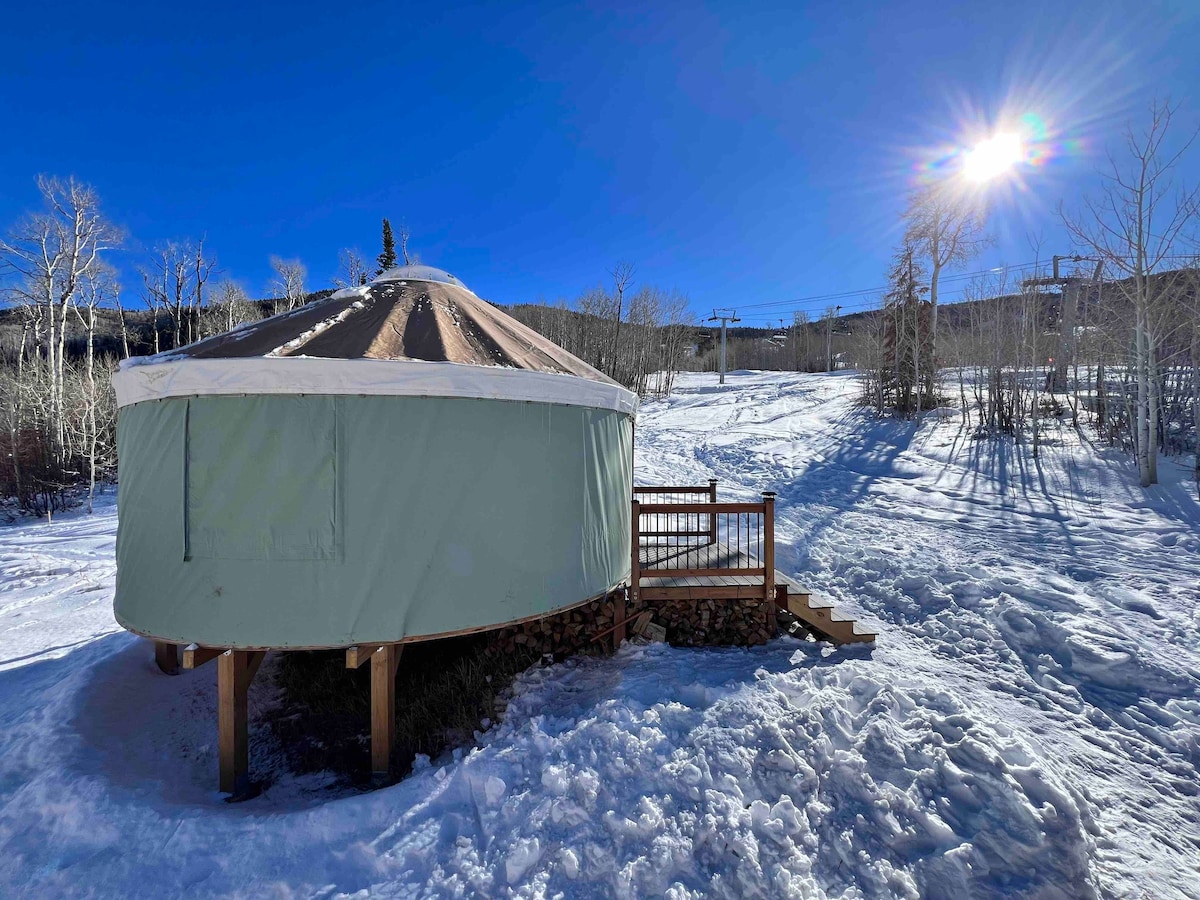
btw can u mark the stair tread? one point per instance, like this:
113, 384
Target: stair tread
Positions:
824, 618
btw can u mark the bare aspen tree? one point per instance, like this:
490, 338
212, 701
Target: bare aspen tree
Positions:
803, 339
945, 225
871, 341
288, 284
1139, 222
405, 234
202, 270
96, 287
677, 320
121, 322
176, 263
167, 282
352, 268
596, 309
655, 334
622, 276
231, 307
51, 252
154, 297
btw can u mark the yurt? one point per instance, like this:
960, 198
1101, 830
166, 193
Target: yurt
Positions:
397, 461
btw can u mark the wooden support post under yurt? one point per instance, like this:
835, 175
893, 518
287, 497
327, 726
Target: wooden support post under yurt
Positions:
166, 657
235, 670
262, 471
384, 660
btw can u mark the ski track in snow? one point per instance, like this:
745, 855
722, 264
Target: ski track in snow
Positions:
1028, 724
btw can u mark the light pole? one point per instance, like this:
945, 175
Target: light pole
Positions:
725, 315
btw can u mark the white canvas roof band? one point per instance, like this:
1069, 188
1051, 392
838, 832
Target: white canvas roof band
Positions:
136, 382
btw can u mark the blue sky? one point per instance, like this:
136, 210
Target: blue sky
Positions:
741, 154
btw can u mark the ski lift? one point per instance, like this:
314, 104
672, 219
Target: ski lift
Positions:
779, 336
704, 335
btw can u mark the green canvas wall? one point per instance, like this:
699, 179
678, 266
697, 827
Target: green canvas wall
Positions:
319, 521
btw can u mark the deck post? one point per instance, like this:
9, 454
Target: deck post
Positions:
769, 557
712, 517
384, 662
635, 573
235, 670
166, 657
781, 596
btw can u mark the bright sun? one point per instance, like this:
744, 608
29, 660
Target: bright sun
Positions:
993, 157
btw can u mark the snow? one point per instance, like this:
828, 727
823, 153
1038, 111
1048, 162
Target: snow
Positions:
346, 293
1028, 723
324, 325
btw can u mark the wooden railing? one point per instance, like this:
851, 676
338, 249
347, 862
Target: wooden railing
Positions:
723, 543
678, 525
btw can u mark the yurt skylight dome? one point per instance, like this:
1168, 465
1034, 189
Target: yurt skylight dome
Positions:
420, 273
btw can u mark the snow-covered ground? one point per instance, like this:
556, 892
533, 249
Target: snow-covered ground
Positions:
1027, 725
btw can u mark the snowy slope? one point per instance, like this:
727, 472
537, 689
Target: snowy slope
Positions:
1028, 724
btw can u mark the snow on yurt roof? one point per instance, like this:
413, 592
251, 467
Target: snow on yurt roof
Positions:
414, 330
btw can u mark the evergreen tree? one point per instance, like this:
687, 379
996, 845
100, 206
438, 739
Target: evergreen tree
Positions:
907, 373
387, 259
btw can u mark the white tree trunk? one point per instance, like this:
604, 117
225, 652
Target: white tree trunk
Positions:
1141, 374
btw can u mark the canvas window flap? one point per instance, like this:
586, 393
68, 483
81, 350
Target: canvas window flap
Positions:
276, 497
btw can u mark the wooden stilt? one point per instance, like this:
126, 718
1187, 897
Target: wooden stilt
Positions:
235, 670
384, 662
618, 629
166, 656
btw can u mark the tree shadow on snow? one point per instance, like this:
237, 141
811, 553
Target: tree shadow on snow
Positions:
866, 451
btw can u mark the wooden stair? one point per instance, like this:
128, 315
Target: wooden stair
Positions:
797, 612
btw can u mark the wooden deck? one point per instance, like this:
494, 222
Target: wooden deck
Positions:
690, 547
794, 604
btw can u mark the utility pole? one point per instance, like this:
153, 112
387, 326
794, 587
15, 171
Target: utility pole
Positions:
726, 316
829, 314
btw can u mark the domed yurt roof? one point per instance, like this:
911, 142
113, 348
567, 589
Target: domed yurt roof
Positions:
408, 314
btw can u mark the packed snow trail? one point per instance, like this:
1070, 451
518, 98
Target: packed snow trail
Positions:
1028, 724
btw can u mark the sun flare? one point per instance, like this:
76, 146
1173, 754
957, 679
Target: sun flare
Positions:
993, 157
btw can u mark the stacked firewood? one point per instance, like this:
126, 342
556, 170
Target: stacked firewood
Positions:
563, 634
688, 623
692, 623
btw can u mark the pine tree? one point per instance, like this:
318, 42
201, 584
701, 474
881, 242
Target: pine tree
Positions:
907, 371
387, 259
